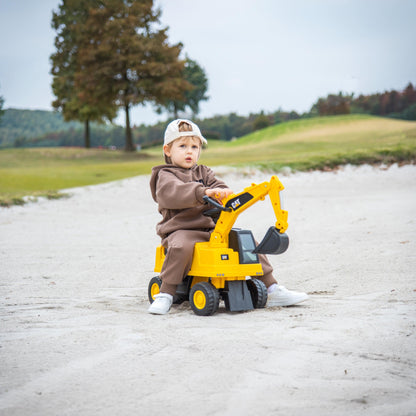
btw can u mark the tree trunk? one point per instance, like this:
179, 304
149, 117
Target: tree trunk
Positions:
129, 138
87, 138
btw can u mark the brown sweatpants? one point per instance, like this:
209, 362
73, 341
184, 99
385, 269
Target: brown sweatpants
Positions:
178, 261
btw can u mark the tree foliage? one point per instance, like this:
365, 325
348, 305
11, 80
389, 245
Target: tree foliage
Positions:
126, 58
194, 74
1, 107
69, 23
399, 104
261, 122
333, 105
29, 124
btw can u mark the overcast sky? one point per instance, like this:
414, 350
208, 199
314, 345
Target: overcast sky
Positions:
257, 54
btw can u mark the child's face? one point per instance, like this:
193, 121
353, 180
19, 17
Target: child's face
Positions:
184, 152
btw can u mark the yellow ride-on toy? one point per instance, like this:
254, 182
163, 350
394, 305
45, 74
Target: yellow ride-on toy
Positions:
221, 266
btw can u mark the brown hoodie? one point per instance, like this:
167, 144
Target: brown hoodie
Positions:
179, 193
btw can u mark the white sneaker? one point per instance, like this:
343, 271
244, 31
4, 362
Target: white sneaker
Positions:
161, 304
284, 297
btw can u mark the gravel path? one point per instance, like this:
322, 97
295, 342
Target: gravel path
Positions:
76, 338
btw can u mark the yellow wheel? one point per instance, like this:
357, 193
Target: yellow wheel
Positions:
154, 288
199, 299
204, 299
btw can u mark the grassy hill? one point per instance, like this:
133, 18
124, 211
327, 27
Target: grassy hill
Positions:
301, 144
320, 142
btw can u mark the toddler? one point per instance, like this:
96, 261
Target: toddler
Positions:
178, 188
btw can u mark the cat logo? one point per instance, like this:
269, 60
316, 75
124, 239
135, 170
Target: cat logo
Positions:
235, 204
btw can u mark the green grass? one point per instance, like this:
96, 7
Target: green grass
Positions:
317, 143
44, 171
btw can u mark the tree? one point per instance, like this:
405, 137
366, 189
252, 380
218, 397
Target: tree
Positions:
196, 77
261, 121
69, 23
409, 95
1, 107
333, 105
124, 57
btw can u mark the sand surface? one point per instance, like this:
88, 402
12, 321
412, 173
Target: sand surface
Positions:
76, 338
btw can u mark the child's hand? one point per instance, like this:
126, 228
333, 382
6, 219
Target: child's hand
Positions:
219, 193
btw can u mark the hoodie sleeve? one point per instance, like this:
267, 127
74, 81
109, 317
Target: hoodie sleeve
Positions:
212, 181
173, 193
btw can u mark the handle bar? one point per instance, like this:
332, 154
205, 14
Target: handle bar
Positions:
211, 201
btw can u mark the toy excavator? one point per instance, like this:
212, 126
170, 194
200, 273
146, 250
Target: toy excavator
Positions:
220, 266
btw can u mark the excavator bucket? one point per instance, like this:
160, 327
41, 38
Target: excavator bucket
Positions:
273, 242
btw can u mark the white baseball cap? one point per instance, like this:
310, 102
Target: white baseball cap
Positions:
172, 131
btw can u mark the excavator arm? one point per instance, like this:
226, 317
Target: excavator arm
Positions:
237, 203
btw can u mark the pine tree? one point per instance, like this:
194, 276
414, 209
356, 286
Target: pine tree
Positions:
126, 57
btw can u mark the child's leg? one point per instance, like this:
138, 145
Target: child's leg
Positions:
178, 261
267, 277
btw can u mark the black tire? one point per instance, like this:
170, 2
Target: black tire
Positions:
154, 288
204, 299
258, 292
